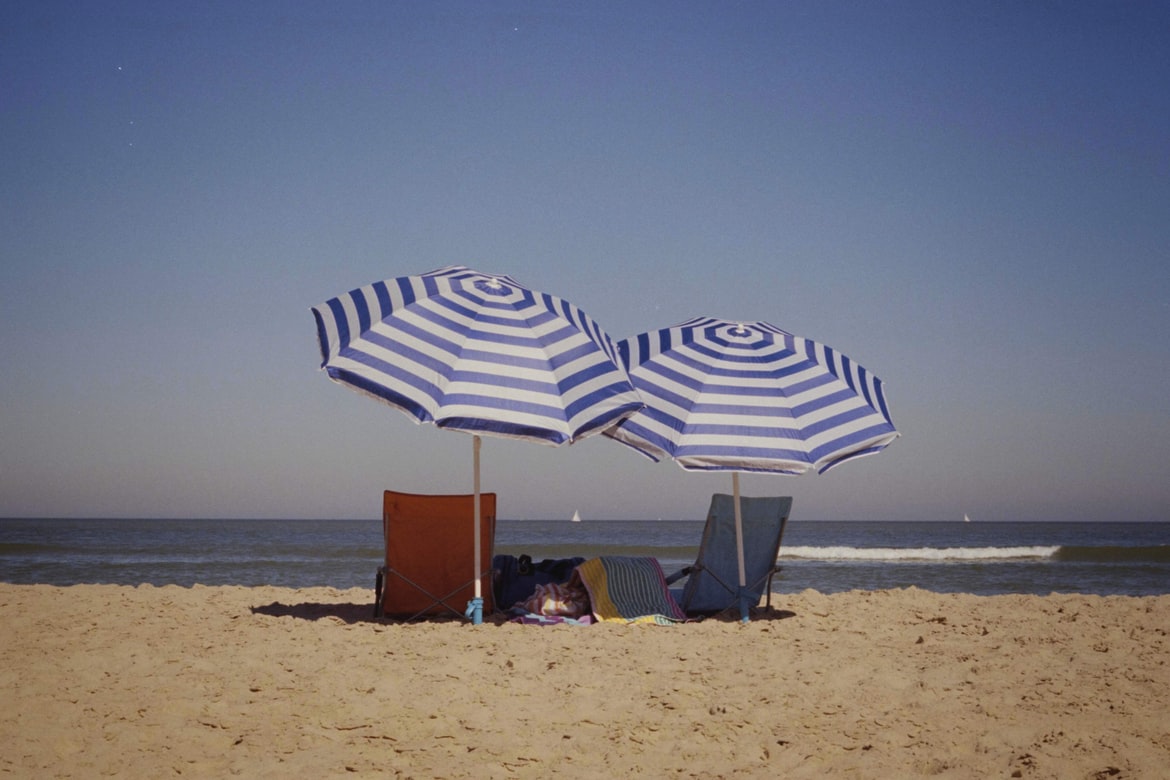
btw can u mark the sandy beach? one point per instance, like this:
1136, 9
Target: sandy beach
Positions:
270, 682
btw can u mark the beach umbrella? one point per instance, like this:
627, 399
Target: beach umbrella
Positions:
749, 397
477, 353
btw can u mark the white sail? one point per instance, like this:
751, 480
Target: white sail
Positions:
576, 517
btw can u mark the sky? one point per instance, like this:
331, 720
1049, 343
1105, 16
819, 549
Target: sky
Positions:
970, 199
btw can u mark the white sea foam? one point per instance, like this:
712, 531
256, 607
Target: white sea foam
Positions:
932, 554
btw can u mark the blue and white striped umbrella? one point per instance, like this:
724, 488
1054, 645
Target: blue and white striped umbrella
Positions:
731, 396
477, 353
734, 396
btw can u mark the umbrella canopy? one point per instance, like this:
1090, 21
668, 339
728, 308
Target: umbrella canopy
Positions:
477, 353
732, 396
735, 396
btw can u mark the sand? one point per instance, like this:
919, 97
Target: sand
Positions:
269, 682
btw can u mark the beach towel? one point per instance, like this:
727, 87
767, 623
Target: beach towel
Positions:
628, 590
532, 619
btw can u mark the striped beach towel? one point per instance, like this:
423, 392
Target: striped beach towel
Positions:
628, 590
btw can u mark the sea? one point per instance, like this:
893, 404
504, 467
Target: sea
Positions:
1107, 558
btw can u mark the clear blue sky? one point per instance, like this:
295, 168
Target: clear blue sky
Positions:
970, 199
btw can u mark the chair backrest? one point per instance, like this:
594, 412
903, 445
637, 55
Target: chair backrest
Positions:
713, 586
430, 552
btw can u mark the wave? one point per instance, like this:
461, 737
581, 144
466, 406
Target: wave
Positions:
931, 554
1159, 554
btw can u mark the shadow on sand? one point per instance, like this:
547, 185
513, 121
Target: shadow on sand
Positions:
759, 614
352, 613
364, 613
309, 610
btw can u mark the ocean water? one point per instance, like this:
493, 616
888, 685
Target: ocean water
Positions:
1114, 558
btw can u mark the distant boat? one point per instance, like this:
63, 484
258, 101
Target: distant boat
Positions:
576, 517
966, 519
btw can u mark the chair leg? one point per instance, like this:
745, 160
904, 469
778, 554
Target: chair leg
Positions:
770, 575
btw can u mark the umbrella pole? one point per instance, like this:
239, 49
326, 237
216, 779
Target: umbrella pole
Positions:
743, 598
475, 607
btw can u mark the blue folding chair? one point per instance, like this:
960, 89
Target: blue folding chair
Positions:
712, 584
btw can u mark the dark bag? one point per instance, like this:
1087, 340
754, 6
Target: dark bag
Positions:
515, 578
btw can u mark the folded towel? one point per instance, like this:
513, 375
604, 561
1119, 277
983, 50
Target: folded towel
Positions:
628, 590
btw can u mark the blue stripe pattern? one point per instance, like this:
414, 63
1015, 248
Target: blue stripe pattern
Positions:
726, 396
477, 353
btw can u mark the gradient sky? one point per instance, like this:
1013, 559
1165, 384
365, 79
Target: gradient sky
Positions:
970, 199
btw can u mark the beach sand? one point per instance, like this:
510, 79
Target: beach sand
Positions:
213, 682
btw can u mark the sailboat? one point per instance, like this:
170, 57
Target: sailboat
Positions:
966, 519
576, 518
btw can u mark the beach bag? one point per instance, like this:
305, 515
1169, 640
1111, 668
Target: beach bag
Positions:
515, 578
556, 600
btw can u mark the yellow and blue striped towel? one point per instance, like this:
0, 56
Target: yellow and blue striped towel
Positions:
628, 590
